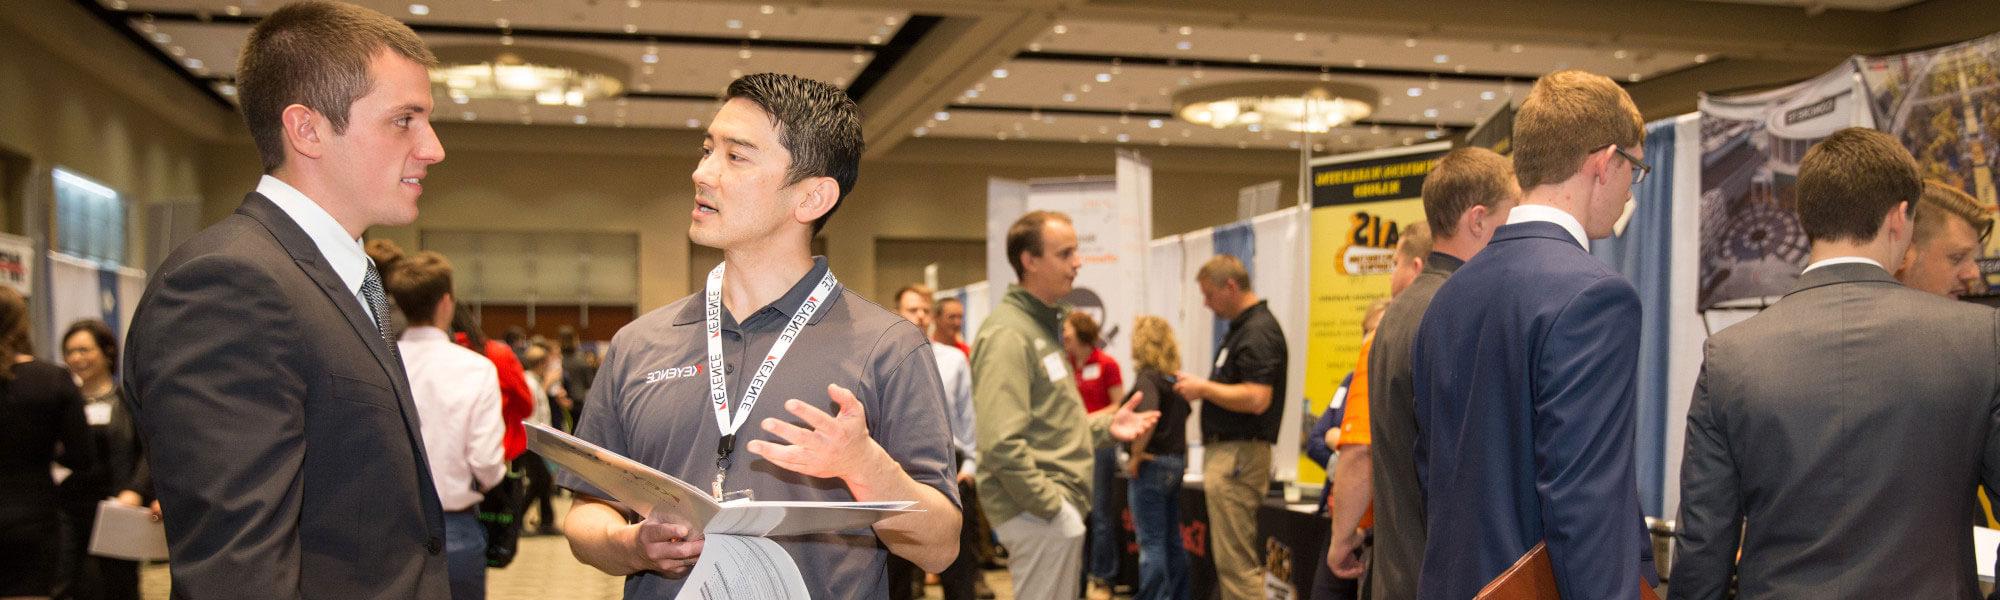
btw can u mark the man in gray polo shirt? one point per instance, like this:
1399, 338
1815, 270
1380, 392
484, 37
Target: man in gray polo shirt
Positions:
853, 412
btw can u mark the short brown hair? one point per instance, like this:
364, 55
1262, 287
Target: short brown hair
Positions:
1462, 179
817, 123
1567, 115
1224, 268
1154, 346
418, 282
1415, 241
1849, 181
1025, 235
1941, 201
315, 53
896, 301
1086, 327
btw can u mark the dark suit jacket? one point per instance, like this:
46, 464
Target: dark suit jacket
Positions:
1848, 425
1523, 371
284, 443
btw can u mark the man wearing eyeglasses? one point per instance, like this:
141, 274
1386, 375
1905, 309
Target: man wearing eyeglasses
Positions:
1523, 367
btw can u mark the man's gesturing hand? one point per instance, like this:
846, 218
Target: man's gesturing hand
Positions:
1128, 424
837, 447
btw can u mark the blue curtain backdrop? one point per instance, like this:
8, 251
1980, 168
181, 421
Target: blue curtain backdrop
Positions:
1644, 255
1238, 240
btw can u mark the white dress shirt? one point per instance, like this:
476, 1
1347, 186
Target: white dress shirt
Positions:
1548, 214
343, 253
458, 400
956, 372
1841, 260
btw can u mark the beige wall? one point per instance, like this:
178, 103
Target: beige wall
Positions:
68, 102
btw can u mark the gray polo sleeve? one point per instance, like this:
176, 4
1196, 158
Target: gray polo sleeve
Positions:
603, 421
905, 409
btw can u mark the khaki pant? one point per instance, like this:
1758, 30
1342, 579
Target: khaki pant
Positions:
1044, 556
1234, 477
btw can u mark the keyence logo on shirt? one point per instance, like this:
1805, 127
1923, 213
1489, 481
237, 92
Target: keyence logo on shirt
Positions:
673, 373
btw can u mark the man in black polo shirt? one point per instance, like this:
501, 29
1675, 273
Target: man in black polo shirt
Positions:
854, 412
1240, 414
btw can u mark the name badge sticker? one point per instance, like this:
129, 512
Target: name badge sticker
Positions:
1092, 372
1053, 363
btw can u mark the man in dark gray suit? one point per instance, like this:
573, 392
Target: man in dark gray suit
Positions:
1466, 197
285, 445
1847, 424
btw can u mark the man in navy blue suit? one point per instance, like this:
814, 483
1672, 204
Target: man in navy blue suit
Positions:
1523, 367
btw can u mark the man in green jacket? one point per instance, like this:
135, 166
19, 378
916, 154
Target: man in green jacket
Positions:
1035, 442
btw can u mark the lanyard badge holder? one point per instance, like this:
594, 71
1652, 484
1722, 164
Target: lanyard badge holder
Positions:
718, 389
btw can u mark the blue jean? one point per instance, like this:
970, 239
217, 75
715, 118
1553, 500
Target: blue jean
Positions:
1104, 518
465, 555
1156, 506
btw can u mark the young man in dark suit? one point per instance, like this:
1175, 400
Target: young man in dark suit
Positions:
1523, 367
263, 336
1849, 423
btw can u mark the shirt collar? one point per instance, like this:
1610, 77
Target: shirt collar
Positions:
1441, 263
787, 304
1542, 212
1842, 260
425, 333
1244, 317
342, 253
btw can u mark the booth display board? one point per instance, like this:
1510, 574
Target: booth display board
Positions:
1944, 105
1360, 203
1751, 242
1114, 222
80, 288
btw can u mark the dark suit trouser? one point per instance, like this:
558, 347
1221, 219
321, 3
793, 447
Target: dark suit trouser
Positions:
958, 580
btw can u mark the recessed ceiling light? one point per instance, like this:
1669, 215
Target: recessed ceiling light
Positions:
1430, 113
733, 23
1414, 92
756, 34
460, 98
1156, 123
1254, 128
694, 123
1700, 58
1299, 37
890, 21
196, 64
1256, 58
942, 115
1124, 137
469, 116
1184, 45
231, 10
1620, 54
502, 23
1516, 48
971, 93
1035, 47
117, 4
860, 58
506, 40
649, 58
1360, 64
1432, 134
920, 131
1441, 59
580, 120
1409, 42
228, 89
632, 3
999, 73
1069, 97
1486, 95
161, 37
420, 9
1104, 78
631, 28
1459, 69
767, 9
1186, 30
1634, 78
735, 74
875, 40
1060, 29
1085, 88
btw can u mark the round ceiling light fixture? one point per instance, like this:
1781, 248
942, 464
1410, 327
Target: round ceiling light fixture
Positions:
1287, 104
545, 76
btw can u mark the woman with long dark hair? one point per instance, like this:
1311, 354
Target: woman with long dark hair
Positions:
41, 421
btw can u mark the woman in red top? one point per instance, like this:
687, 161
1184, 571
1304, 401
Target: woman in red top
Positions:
1097, 376
1098, 380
